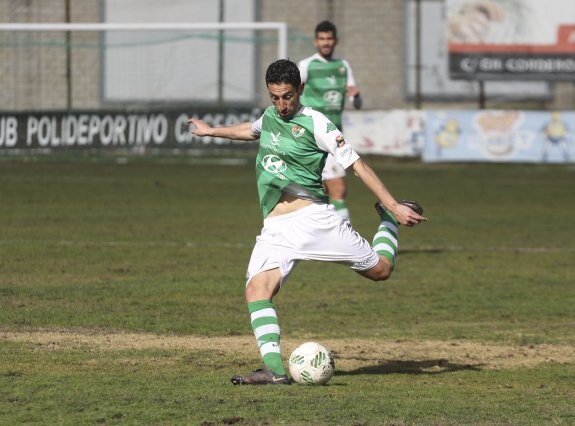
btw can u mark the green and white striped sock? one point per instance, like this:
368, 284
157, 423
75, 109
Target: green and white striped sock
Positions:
266, 328
385, 240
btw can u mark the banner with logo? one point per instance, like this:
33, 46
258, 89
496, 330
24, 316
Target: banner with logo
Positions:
57, 131
511, 39
500, 136
398, 133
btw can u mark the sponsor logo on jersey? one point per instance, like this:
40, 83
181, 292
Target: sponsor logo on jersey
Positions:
331, 80
273, 164
275, 138
332, 99
340, 140
297, 131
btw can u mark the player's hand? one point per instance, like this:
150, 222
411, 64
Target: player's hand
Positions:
199, 127
406, 216
352, 91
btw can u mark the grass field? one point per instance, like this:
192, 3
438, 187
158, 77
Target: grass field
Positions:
121, 299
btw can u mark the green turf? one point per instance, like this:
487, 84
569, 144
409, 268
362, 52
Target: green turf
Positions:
162, 245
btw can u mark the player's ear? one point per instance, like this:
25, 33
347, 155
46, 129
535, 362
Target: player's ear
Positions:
300, 90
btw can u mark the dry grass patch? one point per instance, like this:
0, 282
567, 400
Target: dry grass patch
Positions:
351, 354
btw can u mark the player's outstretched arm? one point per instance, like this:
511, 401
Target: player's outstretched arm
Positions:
242, 132
404, 215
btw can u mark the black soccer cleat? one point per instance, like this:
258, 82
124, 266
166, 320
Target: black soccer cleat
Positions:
262, 376
413, 205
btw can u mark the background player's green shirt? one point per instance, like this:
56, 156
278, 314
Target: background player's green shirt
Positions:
292, 154
325, 85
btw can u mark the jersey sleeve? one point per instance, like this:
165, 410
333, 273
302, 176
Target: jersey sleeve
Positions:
350, 78
302, 72
257, 126
330, 139
303, 66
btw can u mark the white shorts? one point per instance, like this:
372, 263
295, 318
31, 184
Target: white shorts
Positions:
332, 169
315, 232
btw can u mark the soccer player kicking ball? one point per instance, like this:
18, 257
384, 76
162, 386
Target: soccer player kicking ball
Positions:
299, 223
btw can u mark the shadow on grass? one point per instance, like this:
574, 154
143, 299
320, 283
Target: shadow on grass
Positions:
435, 366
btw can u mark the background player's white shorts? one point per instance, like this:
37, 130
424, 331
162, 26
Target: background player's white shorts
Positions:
332, 169
315, 232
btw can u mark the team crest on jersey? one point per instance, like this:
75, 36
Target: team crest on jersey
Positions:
341, 70
340, 140
297, 131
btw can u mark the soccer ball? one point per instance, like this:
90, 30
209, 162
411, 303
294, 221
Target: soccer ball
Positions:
311, 364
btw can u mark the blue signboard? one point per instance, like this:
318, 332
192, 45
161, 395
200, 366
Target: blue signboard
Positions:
500, 136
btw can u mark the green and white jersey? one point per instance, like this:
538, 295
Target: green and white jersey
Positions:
292, 155
325, 85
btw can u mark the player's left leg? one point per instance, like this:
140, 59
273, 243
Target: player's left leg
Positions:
385, 241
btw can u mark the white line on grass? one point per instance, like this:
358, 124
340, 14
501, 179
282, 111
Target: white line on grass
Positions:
199, 244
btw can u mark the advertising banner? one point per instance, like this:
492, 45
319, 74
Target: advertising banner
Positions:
395, 133
511, 39
398, 133
57, 131
426, 63
500, 136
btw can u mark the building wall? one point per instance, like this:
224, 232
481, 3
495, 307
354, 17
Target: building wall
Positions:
372, 39
371, 36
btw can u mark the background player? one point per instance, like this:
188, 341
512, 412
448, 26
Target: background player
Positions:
328, 81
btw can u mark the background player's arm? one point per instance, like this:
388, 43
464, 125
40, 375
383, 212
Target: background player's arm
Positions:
352, 91
302, 66
241, 131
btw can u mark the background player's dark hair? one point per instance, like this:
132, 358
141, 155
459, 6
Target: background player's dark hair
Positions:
283, 71
326, 27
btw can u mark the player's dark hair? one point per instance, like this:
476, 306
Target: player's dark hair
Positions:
283, 71
326, 27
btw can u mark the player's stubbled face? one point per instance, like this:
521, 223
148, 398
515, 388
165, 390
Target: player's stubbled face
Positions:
285, 99
325, 43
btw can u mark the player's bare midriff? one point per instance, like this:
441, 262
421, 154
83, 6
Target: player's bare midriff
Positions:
287, 204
